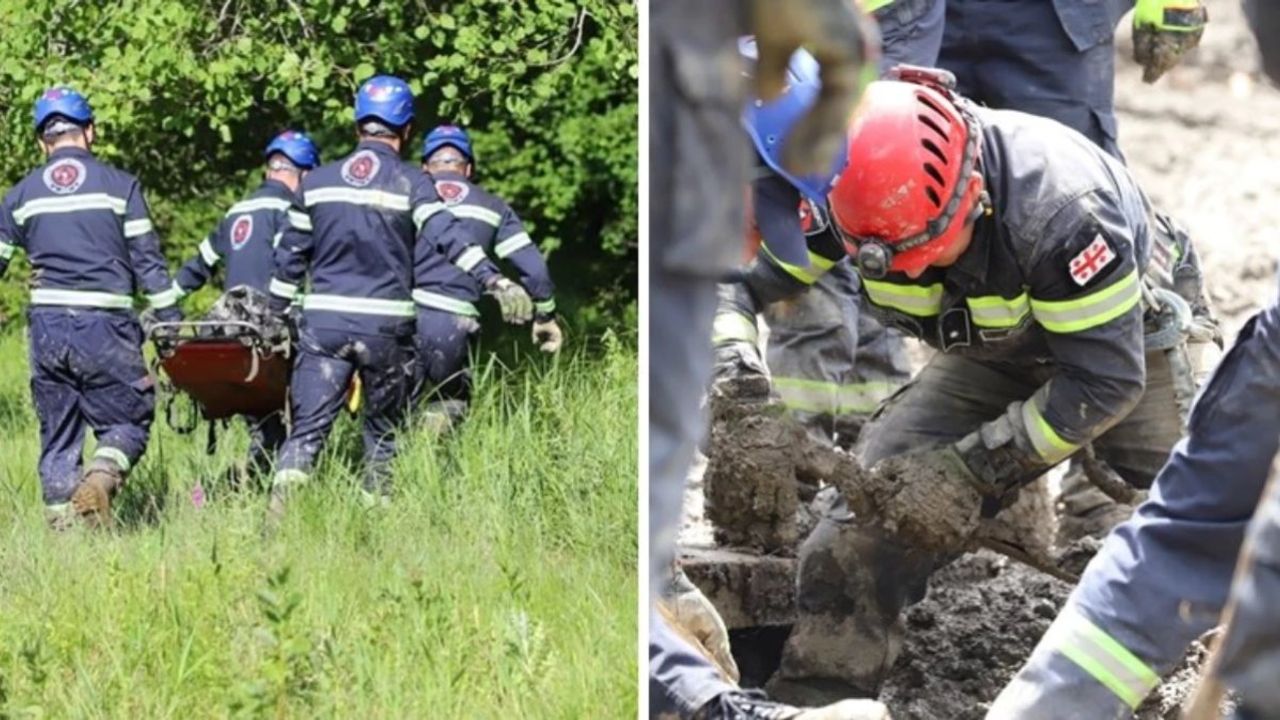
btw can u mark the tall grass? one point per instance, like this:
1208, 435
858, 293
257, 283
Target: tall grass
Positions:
499, 583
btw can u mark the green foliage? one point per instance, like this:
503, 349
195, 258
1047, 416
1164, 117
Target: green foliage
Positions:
500, 582
188, 93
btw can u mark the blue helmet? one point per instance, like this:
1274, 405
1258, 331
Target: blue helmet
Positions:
64, 101
297, 147
386, 98
448, 135
770, 123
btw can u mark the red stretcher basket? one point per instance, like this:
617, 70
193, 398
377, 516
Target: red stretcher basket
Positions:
233, 374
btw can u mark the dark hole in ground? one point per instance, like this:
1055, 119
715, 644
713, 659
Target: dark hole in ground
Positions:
758, 651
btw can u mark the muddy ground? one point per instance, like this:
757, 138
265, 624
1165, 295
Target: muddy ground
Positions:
1204, 141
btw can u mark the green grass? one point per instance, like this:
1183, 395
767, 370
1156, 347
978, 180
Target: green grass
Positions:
501, 583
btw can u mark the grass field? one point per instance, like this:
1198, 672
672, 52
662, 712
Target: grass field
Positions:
500, 583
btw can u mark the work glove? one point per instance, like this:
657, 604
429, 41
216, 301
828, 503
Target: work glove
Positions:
846, 46
1163, 31
694, 613
547, 335
155, 327
929, 498
517, 306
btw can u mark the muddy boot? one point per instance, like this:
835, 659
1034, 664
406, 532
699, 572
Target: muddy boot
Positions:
60, 517
282, 488
754, 705
92, 497
441, 417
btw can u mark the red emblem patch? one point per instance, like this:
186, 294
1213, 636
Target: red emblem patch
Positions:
1090, 261
360, 168
64, 177
241, 230
452, 191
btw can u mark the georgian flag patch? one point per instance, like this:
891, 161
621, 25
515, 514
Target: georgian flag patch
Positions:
1090, 261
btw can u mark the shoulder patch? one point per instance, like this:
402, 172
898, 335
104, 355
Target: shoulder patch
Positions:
65, 176
359, 169
813, 218
241, 231
452, 191
1091, 260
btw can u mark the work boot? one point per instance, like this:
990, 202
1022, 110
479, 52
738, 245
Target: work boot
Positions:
60, 517
92, 497
754, 705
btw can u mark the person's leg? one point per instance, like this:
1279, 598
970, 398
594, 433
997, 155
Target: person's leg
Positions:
445, 341
57, 404
318, 387
387, 368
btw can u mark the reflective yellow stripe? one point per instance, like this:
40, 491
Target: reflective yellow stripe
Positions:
870, 6
300, 220
74, 203
423, 213
136, 228
7, 250
259, 204
1103, 657
1048, 443
816, 396
426, 298
81, 298
545, 307
994, 311
164, 298
207, 252
359, 305
733, 326
1090, 311
512, 244
917, 300
475, 212
280, 288
818, 265
116, 456
376, 198
470, 258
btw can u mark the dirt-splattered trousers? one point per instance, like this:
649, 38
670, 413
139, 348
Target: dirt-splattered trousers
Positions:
1162, 577
1042, 330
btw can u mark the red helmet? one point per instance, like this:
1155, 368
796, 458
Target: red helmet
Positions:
905, 194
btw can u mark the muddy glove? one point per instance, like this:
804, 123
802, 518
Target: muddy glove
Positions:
1163, 31
547, 335
846, 46
929, 498
694, 613
517, 306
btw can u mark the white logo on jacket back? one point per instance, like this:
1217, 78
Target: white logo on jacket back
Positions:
359, 169
65, 176
452, 191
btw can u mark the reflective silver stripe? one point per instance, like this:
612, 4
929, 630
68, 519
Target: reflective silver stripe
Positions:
73, 203
512, 244
732, 326
816, 396
280, 288
178, 289
545, 306
116, 456
1092, 310
917, 300
361, 306
245, 206
207, 252
275, 239
1102, 656
424, 212
164, 298
1051, 447
302, 221
81, 298
7, 250
377, 198
470, 258
135, 228
475, 212
426, 298
998, 312
290, 477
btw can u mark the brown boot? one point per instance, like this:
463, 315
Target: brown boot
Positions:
92, 497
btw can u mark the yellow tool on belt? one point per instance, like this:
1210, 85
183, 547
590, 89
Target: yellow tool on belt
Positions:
355, 391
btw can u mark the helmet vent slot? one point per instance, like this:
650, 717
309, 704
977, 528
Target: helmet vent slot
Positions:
933, 196
924, 100
933, 126
932, 147
933, 173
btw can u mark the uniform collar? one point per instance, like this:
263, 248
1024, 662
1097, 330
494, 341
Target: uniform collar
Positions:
975, 261
70, 151
275, 186
451, 175
379, 147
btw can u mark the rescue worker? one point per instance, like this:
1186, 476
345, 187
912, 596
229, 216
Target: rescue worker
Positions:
352, 236
87, 231
245, 241
448, 319
695, 76
1162, 577
1021, 253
